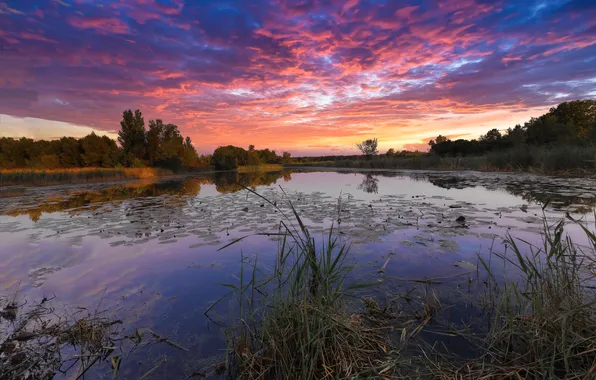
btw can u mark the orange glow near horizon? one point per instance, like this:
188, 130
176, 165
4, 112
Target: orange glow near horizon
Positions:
308, 77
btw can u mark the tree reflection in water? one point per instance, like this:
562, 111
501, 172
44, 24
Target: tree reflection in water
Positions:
74, 201
370, 184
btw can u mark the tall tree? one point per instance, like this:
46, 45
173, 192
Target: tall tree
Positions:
190, 157
132, 137
154, 141
579, 113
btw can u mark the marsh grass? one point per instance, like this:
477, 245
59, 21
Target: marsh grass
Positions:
75, 175
295, 321
39, 342
558, 159
300, 320
34, 340
543, 323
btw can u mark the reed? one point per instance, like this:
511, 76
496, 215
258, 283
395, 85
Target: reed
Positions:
544, 322
300, 320
294, 321
563, 159
75, 175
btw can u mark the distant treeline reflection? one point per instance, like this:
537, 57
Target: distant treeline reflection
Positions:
231, 182
540, 193
225, 182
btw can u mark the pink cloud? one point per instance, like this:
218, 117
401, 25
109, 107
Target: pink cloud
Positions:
303, 77
111, 25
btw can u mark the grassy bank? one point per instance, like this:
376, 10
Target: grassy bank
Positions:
553, 160
300, 320
77, 175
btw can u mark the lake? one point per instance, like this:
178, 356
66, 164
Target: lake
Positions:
149, 252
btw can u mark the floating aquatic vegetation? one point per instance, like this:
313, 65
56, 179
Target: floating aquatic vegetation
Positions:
39, 275
449, 245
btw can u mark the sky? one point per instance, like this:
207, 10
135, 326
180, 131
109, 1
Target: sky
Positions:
305, 76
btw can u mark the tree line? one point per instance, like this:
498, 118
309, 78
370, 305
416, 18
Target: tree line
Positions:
230, 157
161, 145
569, 123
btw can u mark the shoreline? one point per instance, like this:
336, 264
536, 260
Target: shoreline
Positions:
86, 176
582, 173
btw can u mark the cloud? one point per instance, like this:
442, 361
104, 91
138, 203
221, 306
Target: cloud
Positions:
299, 75
102, 25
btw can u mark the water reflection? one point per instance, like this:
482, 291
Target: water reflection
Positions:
154, 245
231, 182
578, 198
558, 192
75, 201
370, 184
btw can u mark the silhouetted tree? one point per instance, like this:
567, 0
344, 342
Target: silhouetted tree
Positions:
227, 157
491, 136
268, 156
547, 130
516, 136
368, 147
439, 140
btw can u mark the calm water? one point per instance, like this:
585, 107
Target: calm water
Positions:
148, 251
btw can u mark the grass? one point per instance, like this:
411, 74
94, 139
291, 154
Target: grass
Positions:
39, 342
299, 320
294, 322
34, 339
544, 324
76, 175
559, 159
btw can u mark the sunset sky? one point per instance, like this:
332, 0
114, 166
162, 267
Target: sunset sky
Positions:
306, 76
